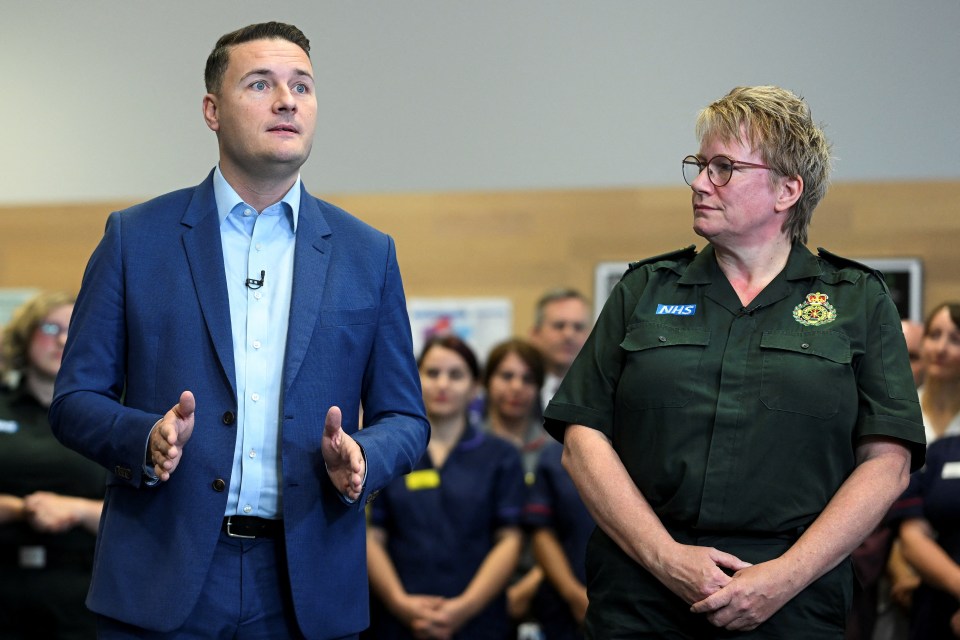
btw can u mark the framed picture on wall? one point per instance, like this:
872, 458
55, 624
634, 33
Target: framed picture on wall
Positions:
606, 275
480, 322
904, 278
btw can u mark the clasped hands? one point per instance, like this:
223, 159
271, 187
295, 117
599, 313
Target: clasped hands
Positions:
740, 602
50, 512
432, 617
341, 454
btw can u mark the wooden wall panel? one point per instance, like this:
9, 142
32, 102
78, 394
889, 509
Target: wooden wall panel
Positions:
516, 244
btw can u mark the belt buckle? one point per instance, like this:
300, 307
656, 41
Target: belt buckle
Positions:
236, 535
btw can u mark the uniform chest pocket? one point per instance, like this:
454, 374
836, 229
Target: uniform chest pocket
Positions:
661, 365
806, 373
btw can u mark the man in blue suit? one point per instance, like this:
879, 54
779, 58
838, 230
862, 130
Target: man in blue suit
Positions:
225, 340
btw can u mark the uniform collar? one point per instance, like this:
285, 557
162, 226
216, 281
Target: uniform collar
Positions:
704, 270
801, 263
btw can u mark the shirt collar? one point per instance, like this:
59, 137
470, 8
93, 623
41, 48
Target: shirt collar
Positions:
227, 198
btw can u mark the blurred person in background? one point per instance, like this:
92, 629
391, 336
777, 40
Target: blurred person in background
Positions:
560, 327
50, 497
884, 602
913, 333
926, 580
443, 540
512, 381
940, 391
560, 527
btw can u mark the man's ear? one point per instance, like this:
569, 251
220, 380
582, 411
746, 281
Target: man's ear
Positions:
211, 114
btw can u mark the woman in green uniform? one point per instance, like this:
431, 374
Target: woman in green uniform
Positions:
742, 417
50, 497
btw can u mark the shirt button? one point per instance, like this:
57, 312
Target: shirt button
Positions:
257, 295
804, 346
247, 508
258, 246
253, 454
247, 212
219, 484
662, 338
256, 344
255, 397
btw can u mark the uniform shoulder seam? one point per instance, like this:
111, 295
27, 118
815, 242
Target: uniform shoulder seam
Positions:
672, 256
840, 261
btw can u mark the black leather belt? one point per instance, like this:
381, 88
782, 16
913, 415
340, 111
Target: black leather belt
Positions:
251, 527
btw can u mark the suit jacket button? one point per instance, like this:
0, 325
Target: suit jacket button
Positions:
219, 484
228, 417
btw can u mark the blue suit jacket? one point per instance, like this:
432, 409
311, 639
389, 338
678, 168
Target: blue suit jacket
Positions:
152, 320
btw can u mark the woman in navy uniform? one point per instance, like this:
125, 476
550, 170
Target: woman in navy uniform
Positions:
930, 539
512, 382
50, 496
561, 526
742, 417
929, 510
443, 540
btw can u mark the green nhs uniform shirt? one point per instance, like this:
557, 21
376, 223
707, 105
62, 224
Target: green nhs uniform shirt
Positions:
743, 420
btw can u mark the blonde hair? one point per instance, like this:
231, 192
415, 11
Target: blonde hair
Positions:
779, 125
18, 333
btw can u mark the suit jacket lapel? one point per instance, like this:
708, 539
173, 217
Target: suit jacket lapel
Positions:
201, 241
310, 262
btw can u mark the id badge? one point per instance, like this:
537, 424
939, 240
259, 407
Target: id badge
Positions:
950, 471
422, 479
33, 557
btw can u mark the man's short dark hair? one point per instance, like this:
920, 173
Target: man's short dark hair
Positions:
220, 56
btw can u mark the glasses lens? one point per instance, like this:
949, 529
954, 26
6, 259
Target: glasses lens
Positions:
691, 169
51, 329
721, 168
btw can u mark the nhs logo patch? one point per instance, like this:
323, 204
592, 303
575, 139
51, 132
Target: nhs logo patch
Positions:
676, 309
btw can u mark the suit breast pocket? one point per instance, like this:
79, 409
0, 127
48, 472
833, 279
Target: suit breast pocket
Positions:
335, 317
661, 365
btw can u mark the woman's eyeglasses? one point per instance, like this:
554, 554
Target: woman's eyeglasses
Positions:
719, 169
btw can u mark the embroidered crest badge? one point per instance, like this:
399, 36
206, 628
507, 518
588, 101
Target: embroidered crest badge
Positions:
815, 310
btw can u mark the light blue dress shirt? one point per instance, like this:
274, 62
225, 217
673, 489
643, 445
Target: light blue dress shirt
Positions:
255, 244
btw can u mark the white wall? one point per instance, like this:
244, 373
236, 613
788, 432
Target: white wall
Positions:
101, 98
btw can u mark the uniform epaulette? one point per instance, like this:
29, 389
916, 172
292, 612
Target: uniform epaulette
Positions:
687, 252
847, 263
840, 261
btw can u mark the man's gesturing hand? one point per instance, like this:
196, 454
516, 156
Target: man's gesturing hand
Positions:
169, 436
343, 456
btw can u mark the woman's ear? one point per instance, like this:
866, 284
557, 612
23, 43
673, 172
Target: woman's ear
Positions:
791, 188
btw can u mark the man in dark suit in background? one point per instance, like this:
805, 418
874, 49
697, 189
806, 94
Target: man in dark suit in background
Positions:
266, 319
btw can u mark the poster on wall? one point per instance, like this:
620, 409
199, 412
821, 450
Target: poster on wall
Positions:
480, 322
